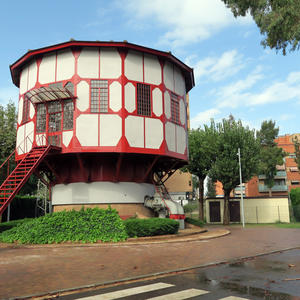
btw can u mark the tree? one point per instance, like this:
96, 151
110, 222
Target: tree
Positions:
278, 20
202, 156
211, 188
297, 152
270, 154
231, 136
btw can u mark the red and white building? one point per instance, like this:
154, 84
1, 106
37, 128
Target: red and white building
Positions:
117, 112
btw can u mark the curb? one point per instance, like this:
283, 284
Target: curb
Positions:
56, 293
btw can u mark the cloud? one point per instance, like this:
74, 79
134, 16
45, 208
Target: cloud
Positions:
184, 21
204, 117
219, 68
237, 93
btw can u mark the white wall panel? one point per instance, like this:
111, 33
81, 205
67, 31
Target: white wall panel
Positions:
88, 63
152, 69
20, 110
157, 102
24, 81
41, 140
110, 63
83, 100
181, 139
47, 68
32, 75
65, 65
134, 66
31, 110
170, 136
130, 97
110, 129
168, 76
154, 133
134, 131
115, 96
29, 136
66, 137
167, 105
101, 192
179, 82
87, 129
182, 112
20, 140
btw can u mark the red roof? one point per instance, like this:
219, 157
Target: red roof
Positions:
16, 67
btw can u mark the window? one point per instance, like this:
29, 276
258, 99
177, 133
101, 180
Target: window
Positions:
174, 109
68, 114
70, 87
41, 118
295, 182
26, 108
294, 169
55, 114
99, 96
143, 100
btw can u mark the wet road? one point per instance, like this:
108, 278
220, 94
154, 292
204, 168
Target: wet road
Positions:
273, 276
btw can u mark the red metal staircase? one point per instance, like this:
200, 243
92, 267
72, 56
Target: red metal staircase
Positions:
18, 177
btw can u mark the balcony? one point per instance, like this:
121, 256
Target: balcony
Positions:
279, 174
276, 188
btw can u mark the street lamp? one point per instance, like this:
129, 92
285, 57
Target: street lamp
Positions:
241, 182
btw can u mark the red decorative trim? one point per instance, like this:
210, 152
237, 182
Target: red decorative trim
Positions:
177, 217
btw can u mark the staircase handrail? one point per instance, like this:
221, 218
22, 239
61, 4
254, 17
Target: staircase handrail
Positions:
10, 155
24, 141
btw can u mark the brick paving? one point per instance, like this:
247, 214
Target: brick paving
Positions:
27, 270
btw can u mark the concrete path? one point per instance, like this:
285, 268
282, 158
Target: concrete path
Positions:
28, 270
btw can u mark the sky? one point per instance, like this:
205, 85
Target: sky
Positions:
234, 74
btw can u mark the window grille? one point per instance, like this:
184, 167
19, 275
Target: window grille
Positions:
41, 118
55, 114
174, 109
99, 96
68, 114
26, 108
143, 100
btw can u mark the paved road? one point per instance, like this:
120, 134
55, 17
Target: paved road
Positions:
39, 270
263, 277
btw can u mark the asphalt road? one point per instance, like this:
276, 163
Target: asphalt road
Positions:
273, 276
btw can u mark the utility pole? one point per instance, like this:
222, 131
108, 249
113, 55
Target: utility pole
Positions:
241, 182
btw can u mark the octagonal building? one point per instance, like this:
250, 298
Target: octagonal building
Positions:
115, 111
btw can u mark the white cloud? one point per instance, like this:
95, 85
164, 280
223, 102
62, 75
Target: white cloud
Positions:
185, 21
237, 93
219, 68
204, 117
286, 117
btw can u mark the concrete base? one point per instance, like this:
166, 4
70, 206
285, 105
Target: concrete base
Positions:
124, 210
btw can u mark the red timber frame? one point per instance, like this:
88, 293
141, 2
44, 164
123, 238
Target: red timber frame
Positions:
122, 147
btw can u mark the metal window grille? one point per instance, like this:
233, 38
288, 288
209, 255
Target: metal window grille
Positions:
68, 115
26, 107
99, 96
55, 140
55, 114
174, 109
41, 118
143, 100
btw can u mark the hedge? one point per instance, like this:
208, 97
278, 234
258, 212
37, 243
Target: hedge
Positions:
90, 225
150, 227
194, 222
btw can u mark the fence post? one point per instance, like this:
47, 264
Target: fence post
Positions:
256, 214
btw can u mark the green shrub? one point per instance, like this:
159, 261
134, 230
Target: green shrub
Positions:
295, 199
90, 225
194, 222
150, 227
8, 225
190, 207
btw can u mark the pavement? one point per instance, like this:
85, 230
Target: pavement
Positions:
52, 270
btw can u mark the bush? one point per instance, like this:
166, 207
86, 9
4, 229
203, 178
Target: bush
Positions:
150, 227
190, 207
295, 199
194, 222
90, 225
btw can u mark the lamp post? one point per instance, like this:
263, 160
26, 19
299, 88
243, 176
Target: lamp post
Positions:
241, 182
